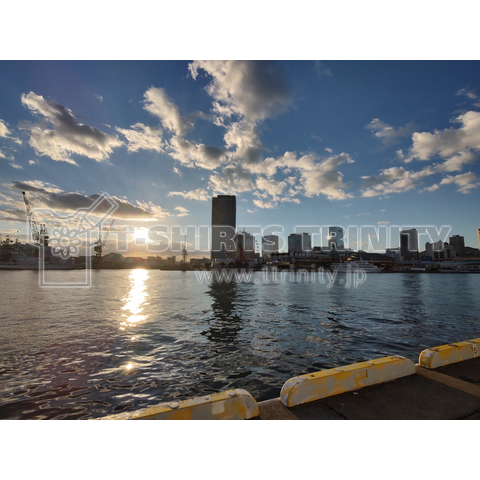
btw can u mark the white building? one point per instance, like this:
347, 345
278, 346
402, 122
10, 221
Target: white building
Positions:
440, 250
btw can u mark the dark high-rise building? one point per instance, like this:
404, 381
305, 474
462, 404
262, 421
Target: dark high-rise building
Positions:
409, 243
458, 243
335, 238
299, 243
224, 223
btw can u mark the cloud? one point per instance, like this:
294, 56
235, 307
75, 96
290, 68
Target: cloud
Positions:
50, 196
18, 167
6, 156
456, 148
387, 134
262, 204
32, 162
5, 132
199, 194
272, 187
321, 70
142, 137
244, 137
253, 90
470, 93
399, 180
196, 155
99, 97
448, 142
319, 176
159, 104
393, 180
35, 186
233, 179
465, 181
183, 211
58, 134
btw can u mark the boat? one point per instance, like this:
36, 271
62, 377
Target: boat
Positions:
355, 266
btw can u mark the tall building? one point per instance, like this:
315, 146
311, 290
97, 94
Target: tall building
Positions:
335, 238
409, 243
299, 243
458, 243
270, 244
224, 223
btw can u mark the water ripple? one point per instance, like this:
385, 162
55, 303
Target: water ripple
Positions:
138, 338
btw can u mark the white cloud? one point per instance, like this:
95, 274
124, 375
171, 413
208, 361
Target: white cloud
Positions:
465, 181
99, 97
448, 142
4, 155
393, 180
329, 150
319, 176
183, 211
18, 167
272, 187
159, 104
253, 90
262, 204
5, 132
196, 155
467, 92
388, 134
58, 134
321, 69
233, 179
140, 136
50, 196
199, 194
456, 147
32, 162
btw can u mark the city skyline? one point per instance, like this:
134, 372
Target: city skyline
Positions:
298, 142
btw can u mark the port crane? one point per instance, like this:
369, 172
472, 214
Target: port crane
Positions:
99, 245
39, 234
184, 251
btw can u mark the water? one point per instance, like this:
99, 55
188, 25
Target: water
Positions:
142, 337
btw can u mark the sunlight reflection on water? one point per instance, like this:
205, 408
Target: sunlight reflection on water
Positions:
179, 338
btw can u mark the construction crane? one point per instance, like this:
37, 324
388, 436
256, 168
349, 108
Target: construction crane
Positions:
99, 245
184, 251
37, 233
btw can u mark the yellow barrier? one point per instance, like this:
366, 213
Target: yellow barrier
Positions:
451, 353
314, 386
235, 404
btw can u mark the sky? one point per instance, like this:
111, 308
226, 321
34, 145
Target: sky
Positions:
300, 143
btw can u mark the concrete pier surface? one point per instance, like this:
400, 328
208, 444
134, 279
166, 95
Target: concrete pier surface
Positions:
447, 393
444, 385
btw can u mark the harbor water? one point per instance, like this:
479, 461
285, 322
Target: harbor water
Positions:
141, 337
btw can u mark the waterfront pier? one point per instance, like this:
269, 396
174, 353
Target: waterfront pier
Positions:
444, 385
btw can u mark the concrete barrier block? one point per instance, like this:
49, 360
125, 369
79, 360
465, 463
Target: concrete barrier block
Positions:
447, 354
235, 404
314, 386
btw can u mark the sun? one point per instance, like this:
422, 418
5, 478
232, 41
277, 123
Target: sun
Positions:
141, 233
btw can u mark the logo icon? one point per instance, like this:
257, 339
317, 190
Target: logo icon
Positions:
60, 250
